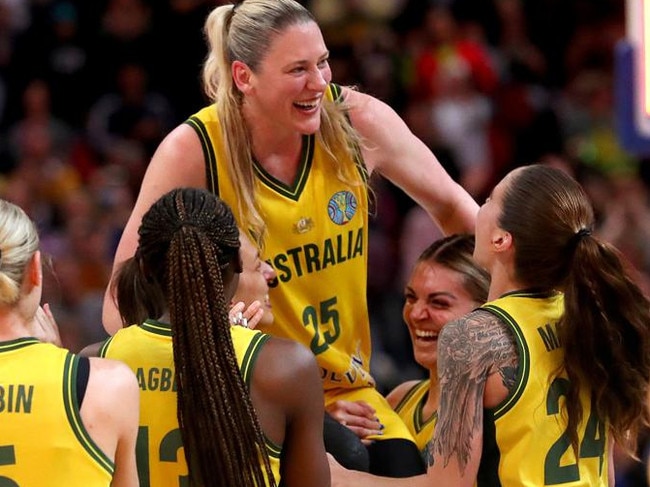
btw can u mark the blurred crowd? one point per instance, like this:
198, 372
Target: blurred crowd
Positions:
88, 89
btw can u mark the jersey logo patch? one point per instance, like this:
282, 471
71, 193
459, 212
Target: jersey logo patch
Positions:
303, 225
341, 207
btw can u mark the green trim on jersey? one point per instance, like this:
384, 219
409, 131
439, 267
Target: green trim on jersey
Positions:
410, 410
71, 403
523, 370
152, 326
336, 92
294, 191
212, 177
17, 343
272, 449
250, 357
419, 423
103, 348
157, 327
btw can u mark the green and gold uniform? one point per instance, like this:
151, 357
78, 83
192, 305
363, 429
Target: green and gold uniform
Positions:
160, 455
410, 408
525, 440
43, 441
317, 233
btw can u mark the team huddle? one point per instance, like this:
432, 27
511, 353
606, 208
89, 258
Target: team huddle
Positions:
240, 346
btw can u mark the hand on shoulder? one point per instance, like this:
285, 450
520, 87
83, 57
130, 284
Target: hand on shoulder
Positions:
44, 326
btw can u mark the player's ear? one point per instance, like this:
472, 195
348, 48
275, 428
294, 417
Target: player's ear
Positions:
241, 75
501, 241
35, 270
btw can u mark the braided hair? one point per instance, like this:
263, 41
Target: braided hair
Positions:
187, 262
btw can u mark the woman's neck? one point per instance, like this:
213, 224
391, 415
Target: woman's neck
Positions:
279, 157
502, 281
268, 138
14, 325
288, 147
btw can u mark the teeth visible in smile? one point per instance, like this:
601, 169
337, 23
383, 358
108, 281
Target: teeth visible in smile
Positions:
425, 334
306, 106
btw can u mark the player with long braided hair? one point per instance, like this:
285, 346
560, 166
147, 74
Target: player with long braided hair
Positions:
241, 411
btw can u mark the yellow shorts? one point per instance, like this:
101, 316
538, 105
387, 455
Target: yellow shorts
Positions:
394, 427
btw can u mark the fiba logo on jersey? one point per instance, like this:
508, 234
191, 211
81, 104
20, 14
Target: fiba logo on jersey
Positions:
341, 207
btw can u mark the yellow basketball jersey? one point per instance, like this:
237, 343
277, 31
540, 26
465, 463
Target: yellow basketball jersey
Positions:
317, 232
410, 409
42, 439
160, 454
525, 440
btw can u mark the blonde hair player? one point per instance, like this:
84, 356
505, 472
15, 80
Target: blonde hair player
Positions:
291, 153
64, 419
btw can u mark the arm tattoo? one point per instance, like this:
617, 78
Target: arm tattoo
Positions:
470, 349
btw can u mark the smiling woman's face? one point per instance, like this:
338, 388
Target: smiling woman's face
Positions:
434, 296
289, 84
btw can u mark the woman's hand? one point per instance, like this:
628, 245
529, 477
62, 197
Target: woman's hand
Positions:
44, 326
249, 317
358, 416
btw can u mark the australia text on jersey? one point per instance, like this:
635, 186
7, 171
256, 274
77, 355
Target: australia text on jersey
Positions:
313, 257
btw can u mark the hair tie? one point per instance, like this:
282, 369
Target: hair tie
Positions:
576, 237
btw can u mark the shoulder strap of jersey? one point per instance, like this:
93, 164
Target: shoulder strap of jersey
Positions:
250, 357
103, 348
211, 176
72, 406
402, 402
